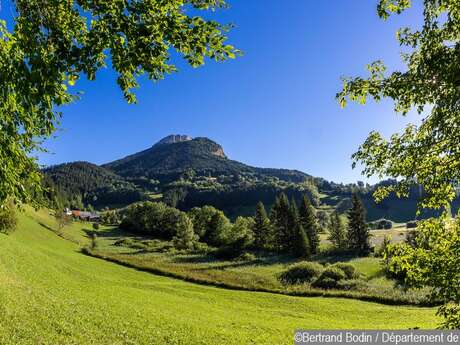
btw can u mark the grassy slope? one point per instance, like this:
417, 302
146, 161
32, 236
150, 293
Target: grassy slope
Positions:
50, 293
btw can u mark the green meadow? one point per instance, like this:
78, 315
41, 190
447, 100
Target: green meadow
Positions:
50, 293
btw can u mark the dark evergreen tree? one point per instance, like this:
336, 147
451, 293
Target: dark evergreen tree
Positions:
301, 245
308, 220
358, 231
337, 231
293, 222
280, 217
262, 228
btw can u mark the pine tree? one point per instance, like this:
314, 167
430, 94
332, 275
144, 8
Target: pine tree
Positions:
280, 219
337, 231
262, 228
309, 223
301, 245
293, 221
358, 231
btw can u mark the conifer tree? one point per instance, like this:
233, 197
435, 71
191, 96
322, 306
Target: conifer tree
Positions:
280, 219
262, 229
309, 223
337, 231
301, 245
358, 231
293, 221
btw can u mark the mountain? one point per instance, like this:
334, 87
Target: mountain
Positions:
186, 172
175, 155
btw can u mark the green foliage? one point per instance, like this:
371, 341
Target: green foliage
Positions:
96, 226
8, 217
217, 229
281, 220
246, 257
358, 231
155, 219
262, 228
308, 220
53, 43
79, 183
301, 246
428, 153
337, 231
110, 217
303, 272
433, 262
185, 236
238, 238
349, 270
384, 246
329, 278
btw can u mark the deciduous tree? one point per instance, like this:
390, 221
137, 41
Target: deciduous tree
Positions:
54, 43
428, 153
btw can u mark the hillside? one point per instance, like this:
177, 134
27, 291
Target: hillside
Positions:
188, 172
84, 183
50, 293
170, 158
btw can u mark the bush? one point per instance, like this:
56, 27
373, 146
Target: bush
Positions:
383, 224
8, 218
325, 283
351, 284
96, 226
246, 257
329, 278
349, 270
301, 272
201, 248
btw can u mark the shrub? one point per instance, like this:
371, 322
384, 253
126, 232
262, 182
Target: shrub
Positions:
384, 224
124, 242
201, 248
8, 218
246, 257
350, 284
301, 272
96, 226
325, 283
349, 270
329, 278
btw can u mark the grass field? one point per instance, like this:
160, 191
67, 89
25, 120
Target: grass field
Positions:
50, 293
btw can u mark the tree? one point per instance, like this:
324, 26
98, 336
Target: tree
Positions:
427, 154
301, 244
433, 262
337, 231
261, 228
53, 43
309, 223
185, 236
358, 231
8, 218
280, 219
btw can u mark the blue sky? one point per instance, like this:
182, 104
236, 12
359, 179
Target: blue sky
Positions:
274, 107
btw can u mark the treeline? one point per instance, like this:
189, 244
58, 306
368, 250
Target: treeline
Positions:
288, 228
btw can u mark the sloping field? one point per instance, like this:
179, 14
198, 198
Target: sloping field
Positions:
50, 293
